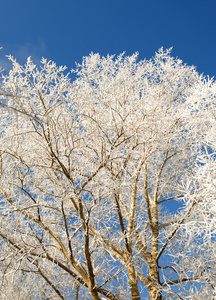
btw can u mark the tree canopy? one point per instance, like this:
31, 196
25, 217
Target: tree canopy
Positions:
108, 182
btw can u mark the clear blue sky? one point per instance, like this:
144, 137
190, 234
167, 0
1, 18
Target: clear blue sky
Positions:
67, 30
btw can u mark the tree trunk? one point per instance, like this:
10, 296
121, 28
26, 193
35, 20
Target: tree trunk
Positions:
153, 288
76, 292
133, 283
153, 273
94, 294
154, 293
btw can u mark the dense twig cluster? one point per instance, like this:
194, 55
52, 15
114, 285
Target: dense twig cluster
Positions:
107, 183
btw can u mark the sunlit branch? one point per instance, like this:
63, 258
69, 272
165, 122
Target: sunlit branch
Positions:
171, 198
184, 279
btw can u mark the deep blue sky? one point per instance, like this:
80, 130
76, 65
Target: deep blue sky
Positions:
65, 31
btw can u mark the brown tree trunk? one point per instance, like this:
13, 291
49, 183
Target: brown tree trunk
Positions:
154, 293
92, 288
76, 292
153, 272
94, 294
153, 288
133, 283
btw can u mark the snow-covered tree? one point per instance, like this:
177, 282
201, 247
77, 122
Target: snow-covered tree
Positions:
107, 183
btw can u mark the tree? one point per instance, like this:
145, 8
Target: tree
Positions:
107, 182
